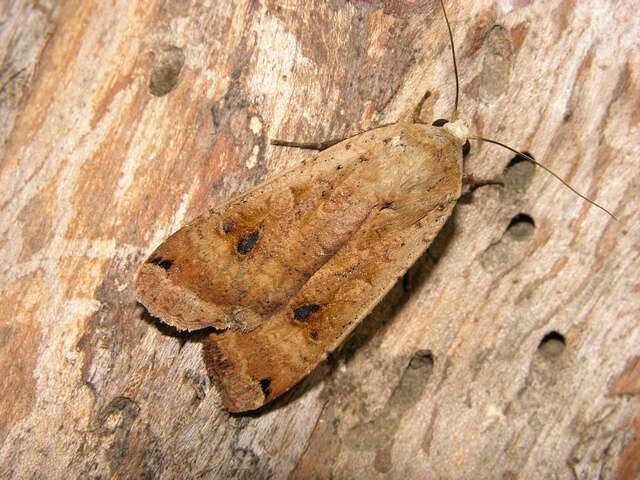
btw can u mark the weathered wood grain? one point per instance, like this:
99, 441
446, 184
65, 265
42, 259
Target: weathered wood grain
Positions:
509, 351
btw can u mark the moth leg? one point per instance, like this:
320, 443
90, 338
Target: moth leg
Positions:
319, 146
471, 183
415, 116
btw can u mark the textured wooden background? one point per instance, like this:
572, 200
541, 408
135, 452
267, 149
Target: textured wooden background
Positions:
511, 350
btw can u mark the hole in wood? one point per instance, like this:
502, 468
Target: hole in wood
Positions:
166, 72
552, 344
422, 359
519, 172
521, 227
518, 159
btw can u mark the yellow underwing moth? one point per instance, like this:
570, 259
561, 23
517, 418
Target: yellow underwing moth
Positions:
285, 271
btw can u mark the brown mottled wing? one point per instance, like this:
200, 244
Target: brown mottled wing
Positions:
288, 269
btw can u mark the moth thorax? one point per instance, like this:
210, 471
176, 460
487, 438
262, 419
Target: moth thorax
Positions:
458, 129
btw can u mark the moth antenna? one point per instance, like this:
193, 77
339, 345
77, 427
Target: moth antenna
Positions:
455, 63
546, 169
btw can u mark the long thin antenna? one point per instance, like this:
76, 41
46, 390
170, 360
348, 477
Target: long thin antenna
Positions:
455, 63
528, 157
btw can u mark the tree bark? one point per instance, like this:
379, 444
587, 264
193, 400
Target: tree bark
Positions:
510, 350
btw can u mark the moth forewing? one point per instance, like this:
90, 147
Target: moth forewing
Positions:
288, 269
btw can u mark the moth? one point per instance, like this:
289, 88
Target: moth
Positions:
285, 271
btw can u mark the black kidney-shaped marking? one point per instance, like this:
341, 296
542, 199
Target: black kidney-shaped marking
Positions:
303, 312
265, 385
166, 264
246, 243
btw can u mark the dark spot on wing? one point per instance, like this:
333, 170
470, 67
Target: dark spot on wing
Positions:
246, 243
229, 225
161, 262
265, 385
304, 312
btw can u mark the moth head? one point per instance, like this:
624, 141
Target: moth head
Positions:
461, 133
458, 130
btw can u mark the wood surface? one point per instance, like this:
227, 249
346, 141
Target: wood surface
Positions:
510, 350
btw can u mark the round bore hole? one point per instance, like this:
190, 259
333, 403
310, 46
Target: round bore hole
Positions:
166, 72
519, 172
521, 227
552, 344
422, 360
519, 159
